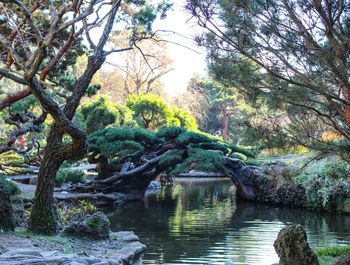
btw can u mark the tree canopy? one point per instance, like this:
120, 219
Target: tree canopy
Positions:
293, 53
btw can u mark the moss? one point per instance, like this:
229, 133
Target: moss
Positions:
94, 223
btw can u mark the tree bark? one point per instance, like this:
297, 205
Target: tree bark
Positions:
226, 124
44, 216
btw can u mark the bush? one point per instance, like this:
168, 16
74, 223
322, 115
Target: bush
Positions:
13, 160
326, 183
191, 138
70, 175
170, 132
201, 160
9, 185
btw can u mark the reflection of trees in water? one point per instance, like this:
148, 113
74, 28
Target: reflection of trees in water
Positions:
201, 220
201, 210
182, 220
322, 228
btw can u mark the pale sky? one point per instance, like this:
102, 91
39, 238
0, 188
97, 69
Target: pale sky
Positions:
186, 62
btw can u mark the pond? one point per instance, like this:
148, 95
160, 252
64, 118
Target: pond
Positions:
199, 222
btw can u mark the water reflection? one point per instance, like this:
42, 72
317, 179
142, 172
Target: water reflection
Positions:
200, 223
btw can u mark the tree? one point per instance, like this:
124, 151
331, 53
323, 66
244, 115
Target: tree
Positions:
152, 112
140, 70
294, 53
222, 100
129, 158
39, 48
102, 112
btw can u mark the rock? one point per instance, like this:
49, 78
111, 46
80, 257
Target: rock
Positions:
154, 187
18, 208
25, 256
127, 236
94, 226
343, 259
33, 181
7, 218
292, 247
290, 194
3, 249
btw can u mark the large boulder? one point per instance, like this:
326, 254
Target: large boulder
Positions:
292, 247
7, 218
94, 226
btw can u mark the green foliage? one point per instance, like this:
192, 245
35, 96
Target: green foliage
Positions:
102, 112
76, 211
150, 111
118, 142
201, 160
212, 146
240, 61
12, 160
171, 157
236, 149
333, 251
187, 138
69, 175
9, 185
183, 118
326, 183
170, 132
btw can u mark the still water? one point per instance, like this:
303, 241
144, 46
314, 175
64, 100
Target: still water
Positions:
199, 222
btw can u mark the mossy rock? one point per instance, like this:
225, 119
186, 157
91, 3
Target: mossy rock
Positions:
292, 247
93, 226
343, 259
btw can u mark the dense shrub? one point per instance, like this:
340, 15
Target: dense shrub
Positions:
11, 159
150, 111
201, 160
9, 185
98, 114
171, 132
70, 175
326, 183
191, 138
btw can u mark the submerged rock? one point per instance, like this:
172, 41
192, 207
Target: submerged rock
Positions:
94, 226
3, 249
292, 247
153, 188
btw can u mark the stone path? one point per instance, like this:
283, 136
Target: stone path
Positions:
22, 251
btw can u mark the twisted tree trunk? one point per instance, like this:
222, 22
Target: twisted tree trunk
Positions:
44, 217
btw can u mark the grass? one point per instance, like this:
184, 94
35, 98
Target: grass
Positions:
332, 251
327, 255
